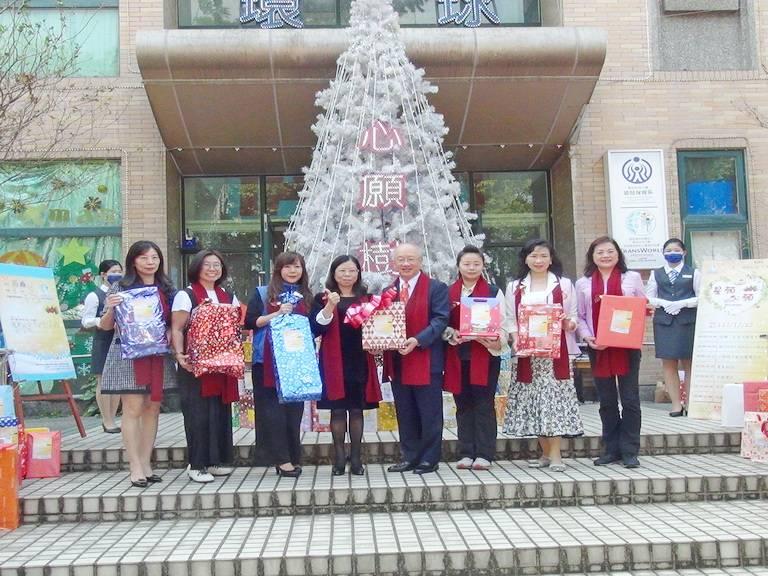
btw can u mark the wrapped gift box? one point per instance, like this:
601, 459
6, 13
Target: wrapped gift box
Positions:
9, 487
214, 340
480, 317
370, 421
539, 330
385, 329
245, 410
449, 411
756, 396
43, 454
235, 416
140, 320
322, 422
622, 322
387, 417
500, 404
505, 374
754, 436
295, 361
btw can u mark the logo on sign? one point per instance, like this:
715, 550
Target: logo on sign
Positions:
636, 170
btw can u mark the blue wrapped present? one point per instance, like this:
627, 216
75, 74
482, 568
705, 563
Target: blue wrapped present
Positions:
297, 375
140, 320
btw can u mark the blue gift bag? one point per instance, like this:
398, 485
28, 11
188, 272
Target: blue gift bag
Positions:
7, 409
297, 375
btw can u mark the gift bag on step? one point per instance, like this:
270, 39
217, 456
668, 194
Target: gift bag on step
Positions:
43, 454
9, 487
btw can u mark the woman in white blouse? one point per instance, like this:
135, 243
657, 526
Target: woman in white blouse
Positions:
542, 399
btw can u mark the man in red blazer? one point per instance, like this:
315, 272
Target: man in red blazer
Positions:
416, 370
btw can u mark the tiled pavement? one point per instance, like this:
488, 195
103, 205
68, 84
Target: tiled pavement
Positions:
508, 541
693, 508
660, 435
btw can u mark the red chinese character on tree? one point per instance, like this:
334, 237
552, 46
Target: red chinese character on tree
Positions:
381, 137
377, 257
382, 191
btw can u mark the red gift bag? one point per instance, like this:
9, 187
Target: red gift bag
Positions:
539, 330
622, 322
43, 454
213, 340
480, 317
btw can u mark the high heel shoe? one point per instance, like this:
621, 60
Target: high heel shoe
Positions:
339, 469
295, 473
115, 430
357, 469
140, 483
682, 412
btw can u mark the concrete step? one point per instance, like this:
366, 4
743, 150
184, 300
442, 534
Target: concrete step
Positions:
670, 536
93, 496
660, 435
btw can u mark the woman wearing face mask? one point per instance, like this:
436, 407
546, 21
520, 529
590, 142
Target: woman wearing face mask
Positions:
673, 291
110, 271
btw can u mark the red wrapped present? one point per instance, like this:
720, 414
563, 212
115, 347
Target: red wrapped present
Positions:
756, 396
538, 330
622, 322
754, 436
213, 340
480, 317
385, 329
245, 410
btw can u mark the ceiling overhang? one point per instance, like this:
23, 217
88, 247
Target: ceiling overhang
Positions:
243, 101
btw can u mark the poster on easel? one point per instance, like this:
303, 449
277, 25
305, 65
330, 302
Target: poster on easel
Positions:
32, 324
728, 346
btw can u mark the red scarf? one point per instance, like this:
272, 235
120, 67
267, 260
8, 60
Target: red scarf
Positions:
611, 361
480, 358
269, 368
149, 371
415, 367
333, 366
561, 365
216, 384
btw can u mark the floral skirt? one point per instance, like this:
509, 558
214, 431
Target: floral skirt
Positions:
546, 407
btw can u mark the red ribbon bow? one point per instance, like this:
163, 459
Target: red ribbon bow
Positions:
359, 313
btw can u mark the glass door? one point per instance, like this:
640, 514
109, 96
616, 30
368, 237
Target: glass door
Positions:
281, 196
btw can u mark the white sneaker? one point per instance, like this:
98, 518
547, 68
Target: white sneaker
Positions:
220, 470
201, 476
464, 464
481, 464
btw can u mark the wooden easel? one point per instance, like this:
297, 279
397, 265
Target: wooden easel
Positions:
18, 397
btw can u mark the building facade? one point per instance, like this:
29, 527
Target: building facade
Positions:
203, 125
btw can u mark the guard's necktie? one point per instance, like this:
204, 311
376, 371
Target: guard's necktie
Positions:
404, 292
673, 274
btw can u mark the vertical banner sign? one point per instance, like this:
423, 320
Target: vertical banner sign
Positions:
731, 317
637, 205
32, 324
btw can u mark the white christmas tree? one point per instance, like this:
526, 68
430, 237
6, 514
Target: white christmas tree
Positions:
379, 174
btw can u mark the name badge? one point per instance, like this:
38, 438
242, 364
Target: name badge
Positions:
687, 276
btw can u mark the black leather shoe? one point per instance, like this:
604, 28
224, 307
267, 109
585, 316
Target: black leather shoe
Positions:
295, 473
357, 469
154, 478
426, 468
339, 469
630, 462
606, 459
401, 467
140, 483
679, 413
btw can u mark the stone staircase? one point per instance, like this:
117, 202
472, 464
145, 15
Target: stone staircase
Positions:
693, 507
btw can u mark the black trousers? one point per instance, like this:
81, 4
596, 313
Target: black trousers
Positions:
419, 419
207, 423
278, 426
476, 418
621, 431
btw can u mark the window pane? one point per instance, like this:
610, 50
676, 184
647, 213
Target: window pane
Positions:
715, 245
74, 261
503, 266
283, 195
425, 12
60, 194
513, 206
223, 213
204, 13
711, 185
319, 12
94, 31
244, 272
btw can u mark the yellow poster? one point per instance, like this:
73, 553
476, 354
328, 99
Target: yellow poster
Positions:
728, 347
32, 324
